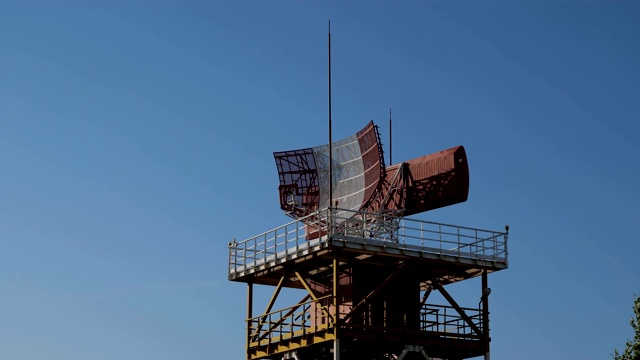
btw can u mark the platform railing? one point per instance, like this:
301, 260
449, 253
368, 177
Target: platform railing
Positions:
447, 321
422, 235
334, 224
299, 320
277, 244
312, 316
393, 315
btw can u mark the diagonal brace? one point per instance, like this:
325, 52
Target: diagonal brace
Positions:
455, 305
285, 316
313, 296
270, 305
425, 297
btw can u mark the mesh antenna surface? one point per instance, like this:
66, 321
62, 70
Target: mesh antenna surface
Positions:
362, 182
358, 170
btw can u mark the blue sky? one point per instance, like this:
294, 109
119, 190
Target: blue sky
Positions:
136, 140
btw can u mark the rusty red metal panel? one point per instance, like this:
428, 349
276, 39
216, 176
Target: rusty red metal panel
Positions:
421, 184
437, 180
425, 183
298, 177
430, 182
371, 159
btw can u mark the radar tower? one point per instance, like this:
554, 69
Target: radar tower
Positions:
363, 269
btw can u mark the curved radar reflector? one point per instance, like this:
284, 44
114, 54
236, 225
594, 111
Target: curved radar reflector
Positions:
357, 170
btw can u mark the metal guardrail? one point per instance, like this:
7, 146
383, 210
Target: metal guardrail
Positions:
279, 243
447, 322
311, 316
318, 229
301, 319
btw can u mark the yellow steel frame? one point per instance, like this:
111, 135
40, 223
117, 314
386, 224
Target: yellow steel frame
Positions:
313, 296
286, 315
296, 340
260, 343
269, 306
273, 340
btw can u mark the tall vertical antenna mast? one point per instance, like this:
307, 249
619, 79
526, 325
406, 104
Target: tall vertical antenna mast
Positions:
390, 147
330, 137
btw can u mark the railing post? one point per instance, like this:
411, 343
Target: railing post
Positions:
317, 222
249, 314
458, 247
231, 256
265, 247
297, 236
506, 250
495, 247
364, 225
291, 328
286, 247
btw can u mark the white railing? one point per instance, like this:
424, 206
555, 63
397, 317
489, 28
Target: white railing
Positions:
424, 236
278, 244
342, 227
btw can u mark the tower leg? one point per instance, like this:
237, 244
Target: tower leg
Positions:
485, 314
249, 313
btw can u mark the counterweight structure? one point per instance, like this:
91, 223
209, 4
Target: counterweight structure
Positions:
364, 270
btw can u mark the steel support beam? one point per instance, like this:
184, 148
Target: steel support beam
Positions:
313, 296
249, 313
455, 305
485, 313
286, 315
269, 306
425, 297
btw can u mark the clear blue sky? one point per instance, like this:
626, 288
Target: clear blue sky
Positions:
136, 140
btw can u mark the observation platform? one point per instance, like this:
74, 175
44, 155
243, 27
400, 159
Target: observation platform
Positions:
358, 269
452, 252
